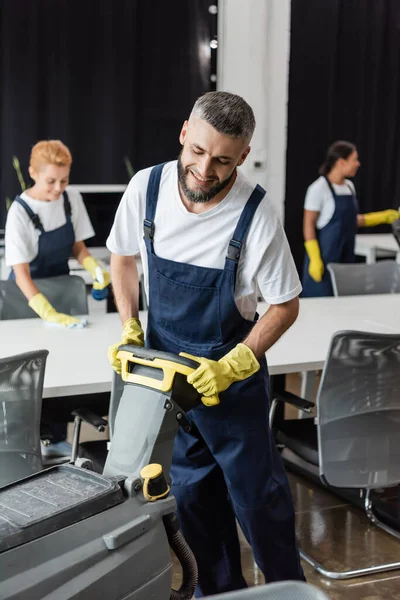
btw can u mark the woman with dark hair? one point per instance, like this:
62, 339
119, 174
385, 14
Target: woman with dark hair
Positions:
331, 218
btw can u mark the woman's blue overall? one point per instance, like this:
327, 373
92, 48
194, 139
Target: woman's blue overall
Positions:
228, 465
336, 241
55, 246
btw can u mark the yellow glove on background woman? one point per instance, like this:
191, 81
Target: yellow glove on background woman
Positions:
48, 313
101, 278
380, 218
316, 266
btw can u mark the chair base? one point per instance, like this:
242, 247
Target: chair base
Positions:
369, 511
357, 572
386, 512
347, 574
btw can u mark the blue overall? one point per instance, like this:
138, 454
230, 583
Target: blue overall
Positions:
55, 246
336, 241
228, 465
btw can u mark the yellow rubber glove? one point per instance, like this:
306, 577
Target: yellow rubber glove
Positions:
132, 333
316, 266
91, 265
47, 312
213, 377
388, 216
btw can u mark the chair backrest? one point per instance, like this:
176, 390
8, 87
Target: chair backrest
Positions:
356, 279
284, 590
67, 293
21, 389
358, 407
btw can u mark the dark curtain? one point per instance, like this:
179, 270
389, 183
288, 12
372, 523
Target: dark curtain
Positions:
110, 78
344, 84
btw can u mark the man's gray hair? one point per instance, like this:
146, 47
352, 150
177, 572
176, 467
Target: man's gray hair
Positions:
227, 113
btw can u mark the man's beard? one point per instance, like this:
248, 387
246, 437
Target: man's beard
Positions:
198, 195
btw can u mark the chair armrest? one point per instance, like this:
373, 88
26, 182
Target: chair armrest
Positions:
91, 418
289, 398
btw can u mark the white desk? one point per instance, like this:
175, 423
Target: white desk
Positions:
77, 361
78, 364
305, 345
381, 310
376, 244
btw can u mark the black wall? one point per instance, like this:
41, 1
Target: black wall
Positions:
110, 78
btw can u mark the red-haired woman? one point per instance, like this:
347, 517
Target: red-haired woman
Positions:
46, 225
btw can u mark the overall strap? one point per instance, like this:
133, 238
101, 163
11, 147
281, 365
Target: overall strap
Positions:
151, 202
330, 187
32, 215
333, 191
67, 206
236, 243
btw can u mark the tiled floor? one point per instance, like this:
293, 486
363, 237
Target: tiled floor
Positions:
340, 537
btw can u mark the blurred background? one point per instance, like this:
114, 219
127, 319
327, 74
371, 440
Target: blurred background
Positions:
115, 79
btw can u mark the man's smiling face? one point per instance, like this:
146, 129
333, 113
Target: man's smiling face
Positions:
208, 160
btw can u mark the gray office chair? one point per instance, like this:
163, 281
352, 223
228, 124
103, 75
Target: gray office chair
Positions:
354, 442
285, 590
359, 278
21, 388
67, 293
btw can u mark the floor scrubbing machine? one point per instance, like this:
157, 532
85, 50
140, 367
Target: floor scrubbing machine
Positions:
69, 533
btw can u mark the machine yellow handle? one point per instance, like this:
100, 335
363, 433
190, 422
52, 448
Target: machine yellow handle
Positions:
169, 369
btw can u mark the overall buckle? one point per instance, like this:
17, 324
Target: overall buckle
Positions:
37, 222
148, 227
234, 250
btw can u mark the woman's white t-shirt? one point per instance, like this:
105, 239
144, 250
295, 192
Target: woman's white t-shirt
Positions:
202, 239
319, 198
22, 237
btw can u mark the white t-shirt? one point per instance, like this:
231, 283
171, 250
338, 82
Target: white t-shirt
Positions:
203, 239
319, 198
22, 237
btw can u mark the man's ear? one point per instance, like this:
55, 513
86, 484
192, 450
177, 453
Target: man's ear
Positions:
244, 156
182, 135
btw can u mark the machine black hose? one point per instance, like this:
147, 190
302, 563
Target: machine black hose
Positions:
185, 557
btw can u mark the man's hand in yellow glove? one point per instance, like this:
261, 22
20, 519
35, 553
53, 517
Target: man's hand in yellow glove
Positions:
388, 216
316, 266
132, 333
213, 377
48, 313
101, 278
